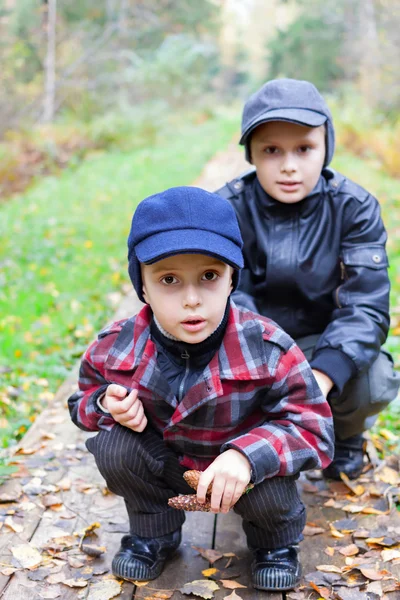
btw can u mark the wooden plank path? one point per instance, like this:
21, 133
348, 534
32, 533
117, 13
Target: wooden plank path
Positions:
58, 491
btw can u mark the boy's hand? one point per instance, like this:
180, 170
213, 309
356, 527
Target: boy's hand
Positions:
325, 383
229, 473
127, 410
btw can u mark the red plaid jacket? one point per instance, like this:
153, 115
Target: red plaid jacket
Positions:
257, 395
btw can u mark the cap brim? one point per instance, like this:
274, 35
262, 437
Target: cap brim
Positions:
300, 116
189, 241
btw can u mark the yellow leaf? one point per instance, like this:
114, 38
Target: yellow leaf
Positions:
388, 435
209, 572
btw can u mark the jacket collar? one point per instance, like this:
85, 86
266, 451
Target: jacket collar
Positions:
241, 355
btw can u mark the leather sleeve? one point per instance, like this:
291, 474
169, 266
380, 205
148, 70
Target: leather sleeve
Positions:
360, 322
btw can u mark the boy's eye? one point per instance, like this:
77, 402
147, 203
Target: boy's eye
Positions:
304, 149
271, 150
210, 276
169, 280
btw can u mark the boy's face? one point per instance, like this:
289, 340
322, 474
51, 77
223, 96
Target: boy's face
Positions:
188, 294
288, 158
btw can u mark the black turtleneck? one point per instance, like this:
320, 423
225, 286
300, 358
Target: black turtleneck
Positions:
182, 363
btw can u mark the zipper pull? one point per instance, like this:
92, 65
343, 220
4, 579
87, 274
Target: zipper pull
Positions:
342, 271
185, 355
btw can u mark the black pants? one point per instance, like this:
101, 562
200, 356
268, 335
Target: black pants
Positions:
142, 469
364, 396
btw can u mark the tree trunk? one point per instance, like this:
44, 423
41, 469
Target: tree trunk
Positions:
50, 64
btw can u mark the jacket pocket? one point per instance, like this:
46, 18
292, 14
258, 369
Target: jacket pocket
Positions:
372, 256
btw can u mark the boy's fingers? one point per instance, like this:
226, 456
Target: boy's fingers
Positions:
239, 489
133, 395
137, 425
116, 390
205, 479
228, 496
217, 493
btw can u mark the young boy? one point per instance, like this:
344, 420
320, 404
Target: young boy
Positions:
315, 260
193, 382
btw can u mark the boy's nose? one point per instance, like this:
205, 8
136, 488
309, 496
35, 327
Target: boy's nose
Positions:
192, 296
289, 164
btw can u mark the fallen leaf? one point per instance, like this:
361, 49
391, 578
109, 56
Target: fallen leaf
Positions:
345, 525
70, 582
92, 550
358, 490
90, 530
388, 555
375, 587
140, 583
371, 573
64, 484
312, 530
164, 595
211, 555
350, 550
322, 591
231, 585
27, 556
8, 571
353, 508
50, 592
200, 587
16, 527
104, 589
329, 568
329, 550
233, 596
349, 594
50, 500
389, 475
334, 532
209, 572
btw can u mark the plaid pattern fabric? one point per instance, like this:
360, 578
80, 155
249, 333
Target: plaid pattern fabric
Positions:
257, 395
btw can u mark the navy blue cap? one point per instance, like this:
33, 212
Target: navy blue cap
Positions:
183, 220
290, 100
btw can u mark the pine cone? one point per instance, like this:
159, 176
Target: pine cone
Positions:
189, 503
192, 478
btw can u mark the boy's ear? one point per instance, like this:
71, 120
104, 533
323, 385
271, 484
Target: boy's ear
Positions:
144, 293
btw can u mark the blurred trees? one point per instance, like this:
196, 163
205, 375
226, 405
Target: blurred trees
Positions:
332, 42
97, 57
107, 53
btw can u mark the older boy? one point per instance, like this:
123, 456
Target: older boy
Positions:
315, 260
194, 382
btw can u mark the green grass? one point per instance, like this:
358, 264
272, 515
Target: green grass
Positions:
63, 257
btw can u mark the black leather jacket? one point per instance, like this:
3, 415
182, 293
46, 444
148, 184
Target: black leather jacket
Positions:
318, 266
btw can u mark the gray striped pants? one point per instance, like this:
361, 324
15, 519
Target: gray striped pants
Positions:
142, 469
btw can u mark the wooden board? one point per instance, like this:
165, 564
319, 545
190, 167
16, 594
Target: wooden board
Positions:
230, 537
187, 564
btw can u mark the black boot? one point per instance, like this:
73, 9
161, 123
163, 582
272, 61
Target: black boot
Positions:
348, 459
275, 570
141, 559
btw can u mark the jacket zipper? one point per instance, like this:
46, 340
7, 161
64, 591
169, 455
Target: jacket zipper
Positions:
186, 356
343, 278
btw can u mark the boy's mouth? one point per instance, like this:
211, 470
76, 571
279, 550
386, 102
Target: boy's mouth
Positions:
289, 186
194, 323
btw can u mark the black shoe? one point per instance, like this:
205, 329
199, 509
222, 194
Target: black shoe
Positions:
142, 559
275, 570
348, 459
